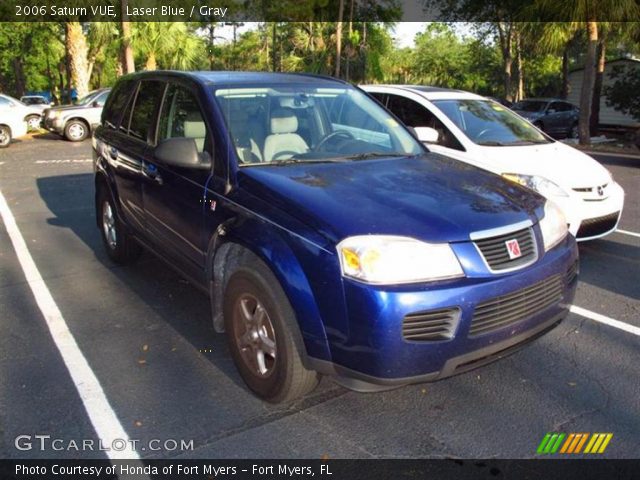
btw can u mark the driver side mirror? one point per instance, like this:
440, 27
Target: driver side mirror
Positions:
96, 104
183, 153
427, 134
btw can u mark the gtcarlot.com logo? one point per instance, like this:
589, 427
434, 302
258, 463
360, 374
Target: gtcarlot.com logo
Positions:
47, 442
573, 443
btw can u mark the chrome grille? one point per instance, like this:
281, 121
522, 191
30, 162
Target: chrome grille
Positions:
430, 326
495, 253
514, 307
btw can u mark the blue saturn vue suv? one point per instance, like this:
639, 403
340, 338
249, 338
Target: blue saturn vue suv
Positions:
329, 240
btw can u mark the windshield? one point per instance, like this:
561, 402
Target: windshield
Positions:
33, 100
301, 123
89, 98
489, 123
529, 106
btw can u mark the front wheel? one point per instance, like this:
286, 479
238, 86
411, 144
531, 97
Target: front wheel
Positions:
5, 136
264, 337
76, 131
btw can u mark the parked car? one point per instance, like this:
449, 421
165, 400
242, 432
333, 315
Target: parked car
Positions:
328, 238
36, 101
12, 121
31, 115
76, 122
483, 133
556, 117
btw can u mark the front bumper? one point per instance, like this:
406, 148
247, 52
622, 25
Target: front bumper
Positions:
375, 352
583, 215
53, 124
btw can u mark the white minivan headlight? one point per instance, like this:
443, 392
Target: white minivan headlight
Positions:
553, 226
541, 185
388, 260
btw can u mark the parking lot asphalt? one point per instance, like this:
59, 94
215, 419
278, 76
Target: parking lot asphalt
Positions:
147, 338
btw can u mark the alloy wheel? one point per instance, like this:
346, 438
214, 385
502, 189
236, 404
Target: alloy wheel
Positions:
109, 225
254, 335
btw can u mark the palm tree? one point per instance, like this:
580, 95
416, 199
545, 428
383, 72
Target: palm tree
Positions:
155, 39
78, 50
128, 65
589, 13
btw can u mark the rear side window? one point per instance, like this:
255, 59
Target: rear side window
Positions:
116, 103
4, 102
143, 116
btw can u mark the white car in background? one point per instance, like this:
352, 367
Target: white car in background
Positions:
12, 122
484, 133
30, 114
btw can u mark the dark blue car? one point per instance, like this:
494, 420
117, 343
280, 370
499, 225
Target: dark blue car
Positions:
329, 240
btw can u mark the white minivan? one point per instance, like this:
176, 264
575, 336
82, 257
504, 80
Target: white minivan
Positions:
484, 133
12, 121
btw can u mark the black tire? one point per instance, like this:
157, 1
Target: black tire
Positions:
121, 247
76, 131
33, 122
285, 377
5, 136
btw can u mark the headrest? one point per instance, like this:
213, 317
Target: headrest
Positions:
283, 120
194, 126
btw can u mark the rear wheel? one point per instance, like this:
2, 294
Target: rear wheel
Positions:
573, 131
5, 136
76, 131
263, 335
120, 246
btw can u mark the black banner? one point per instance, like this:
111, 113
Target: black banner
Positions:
314, 10
580, 469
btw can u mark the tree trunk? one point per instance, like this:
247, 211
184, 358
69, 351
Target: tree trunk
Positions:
350, 46
520, 66
505, 36
339, 39
565, 73
151, 63
588, 81
363, 49
274, 52
127, 52
18, 69
77, 47
594, 120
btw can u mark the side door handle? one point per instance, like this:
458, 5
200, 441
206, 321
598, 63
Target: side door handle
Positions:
150, 171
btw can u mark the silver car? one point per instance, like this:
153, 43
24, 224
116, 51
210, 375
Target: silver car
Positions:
76, 122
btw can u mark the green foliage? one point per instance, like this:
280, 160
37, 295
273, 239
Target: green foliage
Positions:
622, 94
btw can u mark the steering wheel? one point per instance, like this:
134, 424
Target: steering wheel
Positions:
338, 133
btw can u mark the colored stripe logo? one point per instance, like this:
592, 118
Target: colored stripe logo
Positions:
573, 443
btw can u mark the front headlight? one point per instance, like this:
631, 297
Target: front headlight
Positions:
553, 226
388, 260
541, 185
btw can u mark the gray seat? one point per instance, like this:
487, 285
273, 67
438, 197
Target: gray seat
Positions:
194, 127
284, 142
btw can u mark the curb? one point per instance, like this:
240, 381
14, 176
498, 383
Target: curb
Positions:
611, 154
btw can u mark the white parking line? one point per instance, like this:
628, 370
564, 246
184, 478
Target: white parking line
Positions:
626, 232
102, 416
606, 320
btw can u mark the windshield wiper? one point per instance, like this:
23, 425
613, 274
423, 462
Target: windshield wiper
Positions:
493, 143
290, 161
367, 155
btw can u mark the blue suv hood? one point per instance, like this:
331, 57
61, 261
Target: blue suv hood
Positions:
432, 197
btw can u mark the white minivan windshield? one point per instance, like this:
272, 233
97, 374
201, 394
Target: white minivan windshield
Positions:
488, 123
